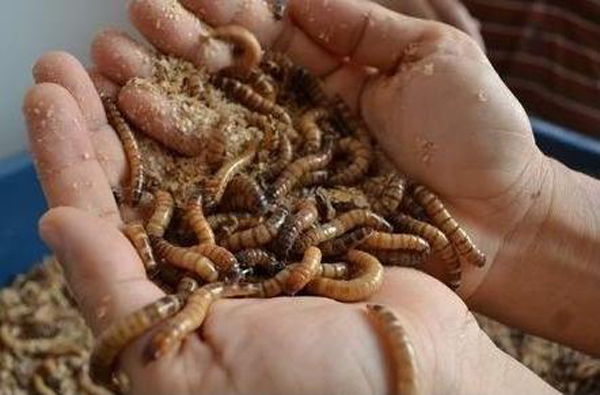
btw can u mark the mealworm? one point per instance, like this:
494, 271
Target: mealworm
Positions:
59, 345
285, 153
400, 258
185, 258
319, 177
309, 127
340, 225
262, 83
243, 193
258, 235
225, 261
187, 285
194, 86
263, 260
403, 352
335, 271
438, 242
234, 221
113, 340
214, 187
389, 194
275, 285
163, 212
270, 138
136, 233
348, 122
409, 206
341, 245
83, 379
368, 279
360, 159
294, 172
395, 241
247, 52
310, 86
277, 65
306, 215
251, 99
304, 272
194, 216
447, 224
131, 148
216, 145
41, 387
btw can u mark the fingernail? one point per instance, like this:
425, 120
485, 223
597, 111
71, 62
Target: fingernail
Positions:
50, 235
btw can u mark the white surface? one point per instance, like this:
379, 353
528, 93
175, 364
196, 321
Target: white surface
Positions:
29, 28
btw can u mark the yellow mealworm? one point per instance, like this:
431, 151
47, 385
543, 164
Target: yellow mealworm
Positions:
113, 340
367, 279
285, 153
243, 193
304, 272
305, 217
294, 172
247, 52
341, 245
194, 216
319, 177
309, 127
439, 245
216, 145
277, 65
270, 139
136, 233
388, 194
131, 148
214, 187
361, 157
163, 212
441, 218
403, 352
59, 345
265, 262
275, 285
259, 235
225, 261
262, 83
340, 225
185, 258
399, 257
251, 99
395, 241
335, 271
348, 122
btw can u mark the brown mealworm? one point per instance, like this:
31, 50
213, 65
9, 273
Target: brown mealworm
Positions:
360, 156
395, 241
310, 86
247, 52
346, 242
234, 221
308, 125
293, 226
263, 260
304, 272
388, 195
163, 212
439, 245
225, 261
403, 352
216, 145
285, 153
368, 280
340, 225
277, 65
113, 340
185, 258
319, 177
441, 218
411, 207
194, 216
136, 233
271, 136
131, 148
258, 235
243, 193
348, 122
400, 258
262, 83
59, 345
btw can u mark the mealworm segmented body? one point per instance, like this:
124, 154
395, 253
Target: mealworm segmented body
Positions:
346, 242
439, 245
131, 148
334, 271
216, 145
306, 215
225, 261
400, 258
260, 259
277, 65
262, 83
368, 279
247, 52
113, 340
361, 157
163, 212
243, 193
194, 216
259, 235
59, 345
304, 272
319, 177
447, 224
310, 86
388, 195
395, 241
231, 222
340, 225
348, 122
275, 285
309, 127
403, 351
411, 207
41, 387
187, 285
136, 233
285, 153
186, 259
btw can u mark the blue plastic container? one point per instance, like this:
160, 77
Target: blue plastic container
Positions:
23, 203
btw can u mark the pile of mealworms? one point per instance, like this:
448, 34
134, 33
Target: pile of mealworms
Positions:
252, 182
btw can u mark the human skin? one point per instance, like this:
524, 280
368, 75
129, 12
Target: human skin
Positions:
484, 163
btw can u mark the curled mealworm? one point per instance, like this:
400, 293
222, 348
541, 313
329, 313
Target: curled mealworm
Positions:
214, 187
403, 352
194, 216
439, 245
243, 193
306, 215
335, 271
234, 221
294, 172
388, 193
447, 224
395, 241
319, 177
264, 261
247, 51
113, 340
340, 225
136, 233
285, 154
185, 258
259, 235
304, 272
225, 261
346, 242
163, 212
367, 279
360, 159
275, 285
131, 148
400, 258
348, 122
309, 127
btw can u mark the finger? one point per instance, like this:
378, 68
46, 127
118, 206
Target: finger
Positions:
63, 69
101, 266
455, 13
104, 86
65, 158
120, 58
416, 8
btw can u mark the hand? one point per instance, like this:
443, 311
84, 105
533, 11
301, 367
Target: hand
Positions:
79, 157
